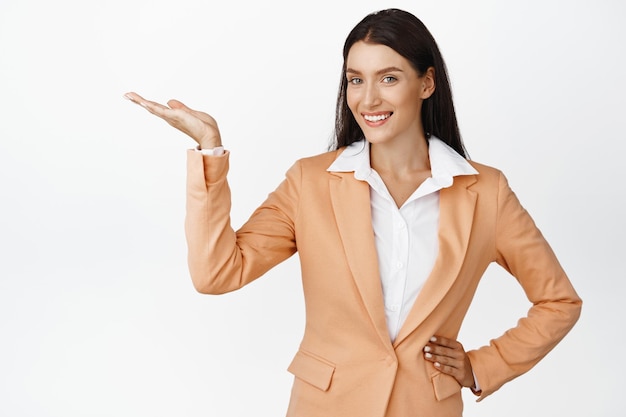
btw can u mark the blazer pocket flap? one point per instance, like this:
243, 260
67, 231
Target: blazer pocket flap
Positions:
445, 386
312, 369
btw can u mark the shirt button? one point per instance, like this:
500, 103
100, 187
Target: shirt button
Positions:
399, 265
394, 307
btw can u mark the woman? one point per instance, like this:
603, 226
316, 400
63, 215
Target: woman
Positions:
394, 228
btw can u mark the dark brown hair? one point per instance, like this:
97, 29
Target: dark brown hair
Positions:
407, 35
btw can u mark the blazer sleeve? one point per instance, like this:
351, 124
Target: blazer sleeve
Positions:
522, 250
220, 259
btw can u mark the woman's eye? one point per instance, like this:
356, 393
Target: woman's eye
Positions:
389, 79
355, 80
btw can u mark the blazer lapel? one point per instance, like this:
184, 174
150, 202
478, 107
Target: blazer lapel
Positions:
351, 204
456, 211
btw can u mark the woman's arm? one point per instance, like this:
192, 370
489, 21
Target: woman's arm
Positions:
523, 251
220, 259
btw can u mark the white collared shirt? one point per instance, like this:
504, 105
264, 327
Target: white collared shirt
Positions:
405, 237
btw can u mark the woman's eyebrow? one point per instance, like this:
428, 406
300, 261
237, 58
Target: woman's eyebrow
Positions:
379, 72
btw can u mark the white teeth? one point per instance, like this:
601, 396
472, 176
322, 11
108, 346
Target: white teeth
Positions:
376, 118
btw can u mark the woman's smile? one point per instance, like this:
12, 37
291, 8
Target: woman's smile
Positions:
376, 119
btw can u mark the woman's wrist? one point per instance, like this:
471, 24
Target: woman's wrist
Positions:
216, 151
209, 145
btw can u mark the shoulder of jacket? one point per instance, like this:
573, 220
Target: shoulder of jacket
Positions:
486, 173
320, 161
482, 168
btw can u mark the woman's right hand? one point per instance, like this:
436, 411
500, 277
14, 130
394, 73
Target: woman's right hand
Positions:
198, 125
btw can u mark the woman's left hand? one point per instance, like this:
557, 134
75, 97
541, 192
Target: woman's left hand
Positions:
450, 358
198, 125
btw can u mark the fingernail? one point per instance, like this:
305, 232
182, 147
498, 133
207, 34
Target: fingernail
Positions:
433, 339
437, 364
427, 349
428, 355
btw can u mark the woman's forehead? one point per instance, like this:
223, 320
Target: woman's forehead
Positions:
364, 56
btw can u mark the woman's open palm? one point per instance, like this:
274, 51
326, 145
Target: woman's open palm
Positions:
198, 125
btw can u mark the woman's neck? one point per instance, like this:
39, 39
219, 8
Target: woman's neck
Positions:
402, 165
401, 156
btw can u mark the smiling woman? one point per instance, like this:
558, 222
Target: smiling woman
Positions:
382, 95
405, 225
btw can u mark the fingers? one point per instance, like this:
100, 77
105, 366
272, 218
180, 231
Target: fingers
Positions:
442, 351
449, 357
152, 106
136, 98
445, 342
198, 125
177, 114
175, 104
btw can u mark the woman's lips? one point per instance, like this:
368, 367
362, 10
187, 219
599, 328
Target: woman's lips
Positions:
376, 119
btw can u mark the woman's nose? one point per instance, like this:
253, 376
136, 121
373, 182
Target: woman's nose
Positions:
372, 96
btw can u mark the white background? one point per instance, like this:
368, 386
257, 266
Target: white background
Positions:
98, 316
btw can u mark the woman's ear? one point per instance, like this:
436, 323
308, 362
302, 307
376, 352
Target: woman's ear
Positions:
428, 83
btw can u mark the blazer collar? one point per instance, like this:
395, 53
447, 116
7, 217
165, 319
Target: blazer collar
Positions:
351, 205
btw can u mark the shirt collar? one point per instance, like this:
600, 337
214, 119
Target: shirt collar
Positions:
445, 162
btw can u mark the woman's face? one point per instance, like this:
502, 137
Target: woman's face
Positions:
385, 93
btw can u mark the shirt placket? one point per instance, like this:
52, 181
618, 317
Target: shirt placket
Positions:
399, 263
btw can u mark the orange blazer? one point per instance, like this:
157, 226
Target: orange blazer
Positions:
346, 365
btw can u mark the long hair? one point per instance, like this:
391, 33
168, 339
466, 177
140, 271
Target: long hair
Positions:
407, 35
